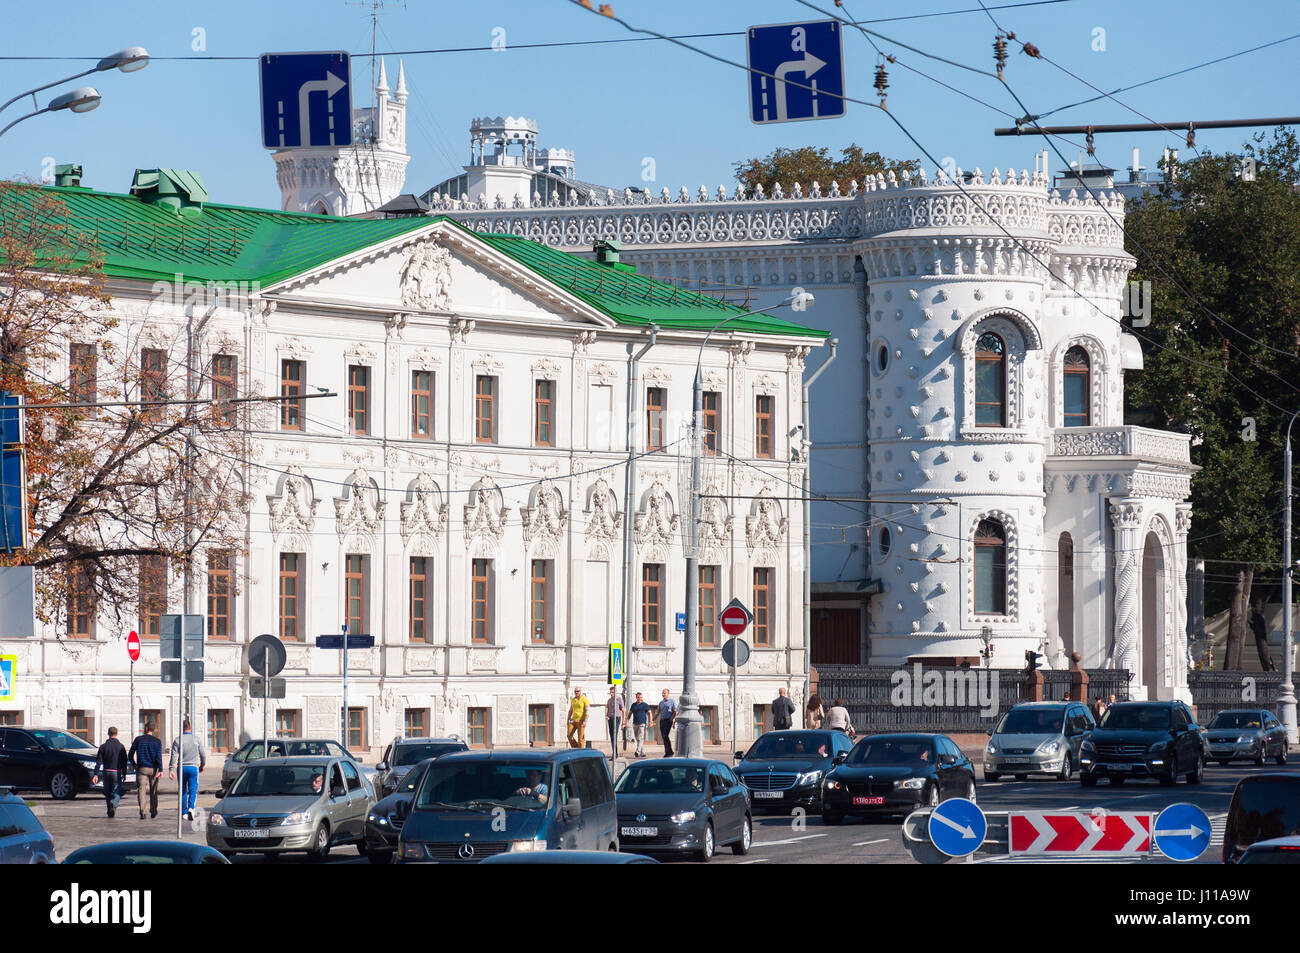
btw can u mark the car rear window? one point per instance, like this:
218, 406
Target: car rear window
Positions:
1136, 718
1264, 808
1031, 721
414, 754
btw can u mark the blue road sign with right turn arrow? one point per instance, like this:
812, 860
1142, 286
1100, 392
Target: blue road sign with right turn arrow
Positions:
957, 827
306, 99
796, 71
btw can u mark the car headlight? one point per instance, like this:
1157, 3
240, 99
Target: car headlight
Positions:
216, 820
991, 749
685, 817
300, 817
811, 777
1087, 746
832, 784
1158, 747
527, 845
909, 784
378, 819
1049, 747
1244, 738
88, 762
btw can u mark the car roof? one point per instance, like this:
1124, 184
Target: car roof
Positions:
673, 762
151, 846
295, 759
428, 741
1241, 711
905, 735
521, 754
1047, 704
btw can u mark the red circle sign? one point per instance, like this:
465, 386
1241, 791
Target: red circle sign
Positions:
133, 646
734, 621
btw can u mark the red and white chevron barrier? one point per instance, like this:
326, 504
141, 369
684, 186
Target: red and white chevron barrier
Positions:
1097, 835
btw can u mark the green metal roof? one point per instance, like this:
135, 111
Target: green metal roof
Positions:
229, 243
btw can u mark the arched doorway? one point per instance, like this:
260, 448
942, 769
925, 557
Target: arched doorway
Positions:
1065, 593
1153, 612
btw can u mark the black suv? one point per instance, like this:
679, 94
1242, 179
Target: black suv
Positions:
784, 769
49, 759
1157, 740
405, 753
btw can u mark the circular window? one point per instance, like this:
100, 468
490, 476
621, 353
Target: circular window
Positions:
885, 540
882, 358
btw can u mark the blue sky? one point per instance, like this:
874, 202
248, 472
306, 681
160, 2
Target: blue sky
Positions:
617, 104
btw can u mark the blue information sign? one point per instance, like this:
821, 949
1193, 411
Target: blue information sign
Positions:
796, 71
1182, 832
336, 641
13, 475
306, 99
681, 622
957, 827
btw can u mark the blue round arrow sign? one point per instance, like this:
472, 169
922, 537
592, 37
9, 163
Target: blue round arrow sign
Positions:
957, 827
1182, 832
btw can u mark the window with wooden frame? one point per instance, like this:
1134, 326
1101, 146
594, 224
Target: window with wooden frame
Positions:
150, 716
293, 375
354, 594
539, 600
710, 401
81, 603
221, 596
763, 425
356, 740
225, 374
358, 398
420, 604
10, 719
476, 721
762, 605
291, 566
82, 724
544, 413
709, 724
288, 722
219, 729
708, 611
990, 568
153, 595
652, 577
485, 409
759, 720
539, 726
422, 405
82, 383
1077, 388
990, 381
415, 723
153, 380
481, 601
656, 399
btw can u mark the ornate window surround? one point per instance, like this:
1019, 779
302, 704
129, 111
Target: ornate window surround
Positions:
1097, 373
1011, 527
1019, 336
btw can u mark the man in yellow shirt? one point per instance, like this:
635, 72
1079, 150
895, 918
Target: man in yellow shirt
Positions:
578, 719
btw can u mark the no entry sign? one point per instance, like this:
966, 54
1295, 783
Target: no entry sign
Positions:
735, 618
1100, 834
133, 646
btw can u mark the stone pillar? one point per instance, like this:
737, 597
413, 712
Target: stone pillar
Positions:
1126, 515
1078, 679
1183, 525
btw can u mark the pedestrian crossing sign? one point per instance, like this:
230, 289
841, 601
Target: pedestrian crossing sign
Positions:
617, 669
8, 677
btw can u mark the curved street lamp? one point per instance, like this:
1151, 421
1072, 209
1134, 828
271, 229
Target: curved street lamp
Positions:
129, 60
80, 100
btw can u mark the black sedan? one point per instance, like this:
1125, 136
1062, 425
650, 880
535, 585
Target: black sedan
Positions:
146, 852
386, 819
1246, 734
896, 774
682, 805
784, 769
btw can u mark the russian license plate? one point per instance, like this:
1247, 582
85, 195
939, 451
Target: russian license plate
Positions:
1119, 767
254, 832
640, 831
774, 794
868, 800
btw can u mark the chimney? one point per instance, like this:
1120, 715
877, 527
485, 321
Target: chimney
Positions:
67, 176
1135, 172
607, 251
178, 189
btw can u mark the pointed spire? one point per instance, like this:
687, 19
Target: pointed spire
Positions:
382, 85
400, 92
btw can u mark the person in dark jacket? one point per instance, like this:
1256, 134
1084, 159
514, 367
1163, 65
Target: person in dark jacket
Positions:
111, 757
782, 710
146, 755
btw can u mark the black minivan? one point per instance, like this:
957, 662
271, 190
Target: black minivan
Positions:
475, 804
1263, 807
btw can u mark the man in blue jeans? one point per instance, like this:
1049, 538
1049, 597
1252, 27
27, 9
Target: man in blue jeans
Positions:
189, 752
667, 715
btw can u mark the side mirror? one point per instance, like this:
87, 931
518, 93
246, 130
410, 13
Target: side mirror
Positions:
719, 790
947, 759
338, 790
382, 766
840, 758
740, 756
573, 808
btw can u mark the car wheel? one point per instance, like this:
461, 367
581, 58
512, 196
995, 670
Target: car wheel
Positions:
229, 855
1198, 771
1066, 769
1022, 777
970, 790
1116, 780
705, 853
1281, 754
741, 847
1171, 778
1088, 780
1259, 759
62, 787
991, 775
933, 799
379, 856
832, 818
322, 841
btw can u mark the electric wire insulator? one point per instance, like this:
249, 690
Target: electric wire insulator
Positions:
1000, 53
882, 82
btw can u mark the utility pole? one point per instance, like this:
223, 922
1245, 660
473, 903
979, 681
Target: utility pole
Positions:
807, 523
1286, 701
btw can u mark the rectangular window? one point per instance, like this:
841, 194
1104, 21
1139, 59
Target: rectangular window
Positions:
709, 724
539, 726
81, 724
81, 604
763, 426
354, 594
219, 729
153, 595
481, 602
762, 606
540, 601
422, 405
1076, 399
153, 380
149, 716
708, 612
760, 712
225, 372
356, 740
485, 421
477, 723
82, 386
221, 596
415, 722
288, 722
709, 403
655, 399
291, 596
990, 580
544, 412
419, 607
292, 378
358, 398
652, 575
10, 719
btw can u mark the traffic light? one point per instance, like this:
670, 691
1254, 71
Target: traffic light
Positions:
1032, 660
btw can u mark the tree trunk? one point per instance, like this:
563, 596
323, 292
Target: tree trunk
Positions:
1238, 619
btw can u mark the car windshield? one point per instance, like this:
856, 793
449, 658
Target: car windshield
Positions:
308, 748
1236, 719
405, 755
483, 785
1136, 718
1031, 721
280, 780
885, 751
1264, 808
411, 780
649, 779
781, 744
60, 740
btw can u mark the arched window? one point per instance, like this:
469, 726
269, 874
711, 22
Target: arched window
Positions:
1077, 388
990, 381
990, 568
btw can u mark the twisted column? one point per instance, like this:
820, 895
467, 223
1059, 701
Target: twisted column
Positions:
1126, 515
1182, 526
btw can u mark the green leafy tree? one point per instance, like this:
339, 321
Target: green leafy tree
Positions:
810, 164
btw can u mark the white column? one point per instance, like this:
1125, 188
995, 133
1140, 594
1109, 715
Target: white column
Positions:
1126, 515
1183, 525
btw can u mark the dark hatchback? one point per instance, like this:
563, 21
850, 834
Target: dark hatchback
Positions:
1264, 807
387, 818
784, 769
1157, 740
896, 774
683, 806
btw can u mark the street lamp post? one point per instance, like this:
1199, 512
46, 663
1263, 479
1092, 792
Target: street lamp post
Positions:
80, 100
1286, 699
690, 742
85, 98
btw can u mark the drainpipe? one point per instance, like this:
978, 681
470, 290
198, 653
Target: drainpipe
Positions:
807, 529
629, 481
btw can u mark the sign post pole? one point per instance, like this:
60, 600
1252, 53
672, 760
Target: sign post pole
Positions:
266, 661
344, 739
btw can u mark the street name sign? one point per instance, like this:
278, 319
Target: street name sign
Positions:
809, 55
957, 827
13, 474
1099, 834
306, 99
336, 641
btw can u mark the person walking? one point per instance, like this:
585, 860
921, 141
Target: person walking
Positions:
837, 719
814, 715
578, 719
146, 756
640, 718
189, 752
782, 710
667, 716
1098, 708
614, 714
111, 757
